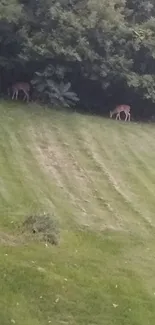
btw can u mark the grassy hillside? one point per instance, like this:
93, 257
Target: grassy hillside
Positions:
98, 177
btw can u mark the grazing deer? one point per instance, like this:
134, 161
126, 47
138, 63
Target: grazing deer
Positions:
119, 109
20, 86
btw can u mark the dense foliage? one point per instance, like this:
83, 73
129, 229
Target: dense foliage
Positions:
104, 49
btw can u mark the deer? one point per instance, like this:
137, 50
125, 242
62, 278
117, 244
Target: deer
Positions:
119, 109
20, 86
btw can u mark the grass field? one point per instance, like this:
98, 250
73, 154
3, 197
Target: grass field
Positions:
98, 177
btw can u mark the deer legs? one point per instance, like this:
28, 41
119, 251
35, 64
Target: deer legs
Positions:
118, 117
26, 95
15, 95
127, 116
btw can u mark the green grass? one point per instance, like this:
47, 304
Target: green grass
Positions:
98, 177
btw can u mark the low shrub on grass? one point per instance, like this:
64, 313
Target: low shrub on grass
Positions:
43, 227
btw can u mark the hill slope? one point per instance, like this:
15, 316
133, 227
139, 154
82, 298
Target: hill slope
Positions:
98, 177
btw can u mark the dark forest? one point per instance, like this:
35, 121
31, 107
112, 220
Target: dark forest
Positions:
91, 54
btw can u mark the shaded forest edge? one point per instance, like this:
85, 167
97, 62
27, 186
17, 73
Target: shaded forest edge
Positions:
89, 54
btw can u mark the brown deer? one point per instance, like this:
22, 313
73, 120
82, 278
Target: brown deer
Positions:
119, 109
20, 86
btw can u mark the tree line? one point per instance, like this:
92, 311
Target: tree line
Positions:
90, 53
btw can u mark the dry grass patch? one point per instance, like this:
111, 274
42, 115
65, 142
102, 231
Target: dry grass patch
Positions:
10, 240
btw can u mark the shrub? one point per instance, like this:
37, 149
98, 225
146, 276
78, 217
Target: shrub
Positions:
43, 227
51, 88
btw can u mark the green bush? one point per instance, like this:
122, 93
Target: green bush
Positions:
51, 88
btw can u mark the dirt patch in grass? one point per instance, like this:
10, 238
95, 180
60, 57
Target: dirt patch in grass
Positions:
10, 240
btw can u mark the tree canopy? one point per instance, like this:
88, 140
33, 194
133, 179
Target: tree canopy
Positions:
105, 50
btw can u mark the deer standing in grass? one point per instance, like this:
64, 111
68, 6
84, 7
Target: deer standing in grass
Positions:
119, 109
20, 86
